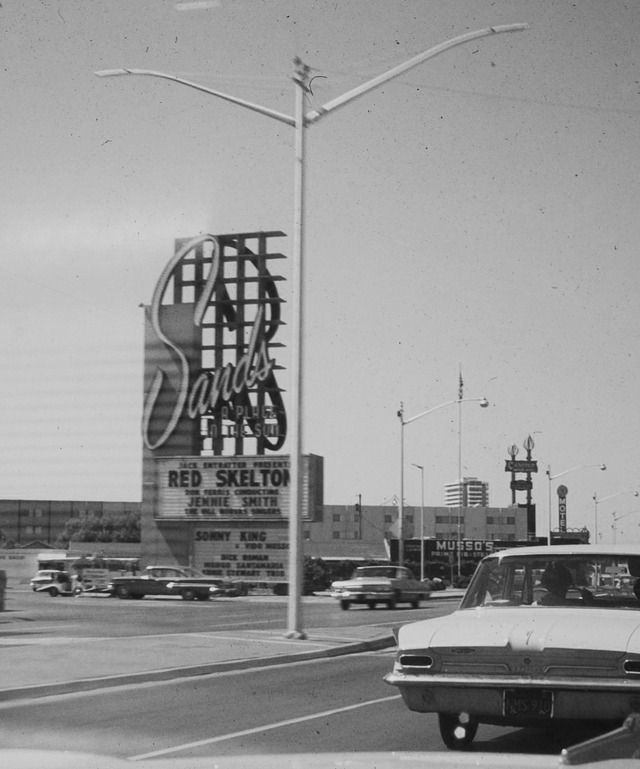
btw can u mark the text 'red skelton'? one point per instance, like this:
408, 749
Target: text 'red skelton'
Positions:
209, 335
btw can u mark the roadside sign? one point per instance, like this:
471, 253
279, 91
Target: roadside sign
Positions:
521, 466
521, 485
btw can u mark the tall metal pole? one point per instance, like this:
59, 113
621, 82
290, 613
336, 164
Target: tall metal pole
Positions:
401, 504
460, 483
296, 557
421, 468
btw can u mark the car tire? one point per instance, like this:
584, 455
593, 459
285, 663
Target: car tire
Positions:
392, 602
122, 591
202, 597
457, 730
344, 605
54, 592
415, 602
189, 594
371, 604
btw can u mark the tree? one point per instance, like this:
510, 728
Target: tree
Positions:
120, 527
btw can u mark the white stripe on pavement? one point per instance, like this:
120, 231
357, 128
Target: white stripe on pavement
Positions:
257, 729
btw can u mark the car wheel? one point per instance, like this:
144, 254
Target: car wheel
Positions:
371, 604
122, 591
457, 730
203, 596
53, 591
344, 605
392, 602
415, 602
189, 594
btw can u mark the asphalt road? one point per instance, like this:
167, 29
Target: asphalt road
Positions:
104, 617
333, 705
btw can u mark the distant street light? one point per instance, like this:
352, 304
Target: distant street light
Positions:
559, 475
421, 468
299, 122
483, 404
617, 518
597, 501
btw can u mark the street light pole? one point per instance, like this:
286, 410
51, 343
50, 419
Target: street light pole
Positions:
483, 404
559, 475
421, 468
597, 501
299, 122
617, 518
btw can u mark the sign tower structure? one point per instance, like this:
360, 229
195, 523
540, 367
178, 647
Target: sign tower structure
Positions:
526, 467
215, 490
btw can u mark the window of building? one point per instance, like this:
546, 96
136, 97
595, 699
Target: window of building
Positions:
336, 535
511, 521
336, 517
307, 535
490, 519
409, 518
388, 519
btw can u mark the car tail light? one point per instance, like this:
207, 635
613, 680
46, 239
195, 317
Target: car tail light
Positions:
415, 661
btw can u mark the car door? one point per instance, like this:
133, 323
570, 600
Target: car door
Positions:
158, 580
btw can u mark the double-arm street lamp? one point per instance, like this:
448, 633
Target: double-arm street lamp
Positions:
299, 121
597, 501
559, 475
483, 404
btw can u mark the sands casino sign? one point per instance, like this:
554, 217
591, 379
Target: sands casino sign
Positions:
213, 413
210, 375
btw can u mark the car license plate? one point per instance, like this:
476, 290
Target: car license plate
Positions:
528, 703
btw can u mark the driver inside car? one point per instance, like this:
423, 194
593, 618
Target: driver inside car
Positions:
556, 580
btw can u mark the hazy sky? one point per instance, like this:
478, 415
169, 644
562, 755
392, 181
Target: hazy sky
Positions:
479, 211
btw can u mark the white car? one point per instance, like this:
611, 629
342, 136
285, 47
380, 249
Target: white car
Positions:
372, 585
44, 577
543, 635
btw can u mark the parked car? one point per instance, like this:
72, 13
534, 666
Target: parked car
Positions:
44, 577
56, 582
185, 581
372, 585
539, 638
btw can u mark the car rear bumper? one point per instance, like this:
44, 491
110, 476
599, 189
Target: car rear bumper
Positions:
599, 699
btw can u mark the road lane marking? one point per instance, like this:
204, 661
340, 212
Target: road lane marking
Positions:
258, 729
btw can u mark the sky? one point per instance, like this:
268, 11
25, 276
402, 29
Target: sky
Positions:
476, 215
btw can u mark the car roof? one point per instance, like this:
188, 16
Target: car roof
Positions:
586, 550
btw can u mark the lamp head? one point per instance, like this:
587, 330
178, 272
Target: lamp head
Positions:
603, 467
484, 403
111, 72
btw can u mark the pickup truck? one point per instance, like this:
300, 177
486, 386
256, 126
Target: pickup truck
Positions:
184, 581
389, 585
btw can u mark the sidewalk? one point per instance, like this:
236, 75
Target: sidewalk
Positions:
34, 665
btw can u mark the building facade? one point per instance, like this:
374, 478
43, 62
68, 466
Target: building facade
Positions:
467, 492
336, 530
43, 520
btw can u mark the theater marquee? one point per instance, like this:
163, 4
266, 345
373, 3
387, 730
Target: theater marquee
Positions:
229, 487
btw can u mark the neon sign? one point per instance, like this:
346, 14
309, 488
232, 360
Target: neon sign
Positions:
225, 381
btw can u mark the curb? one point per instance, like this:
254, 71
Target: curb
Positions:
90, 684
